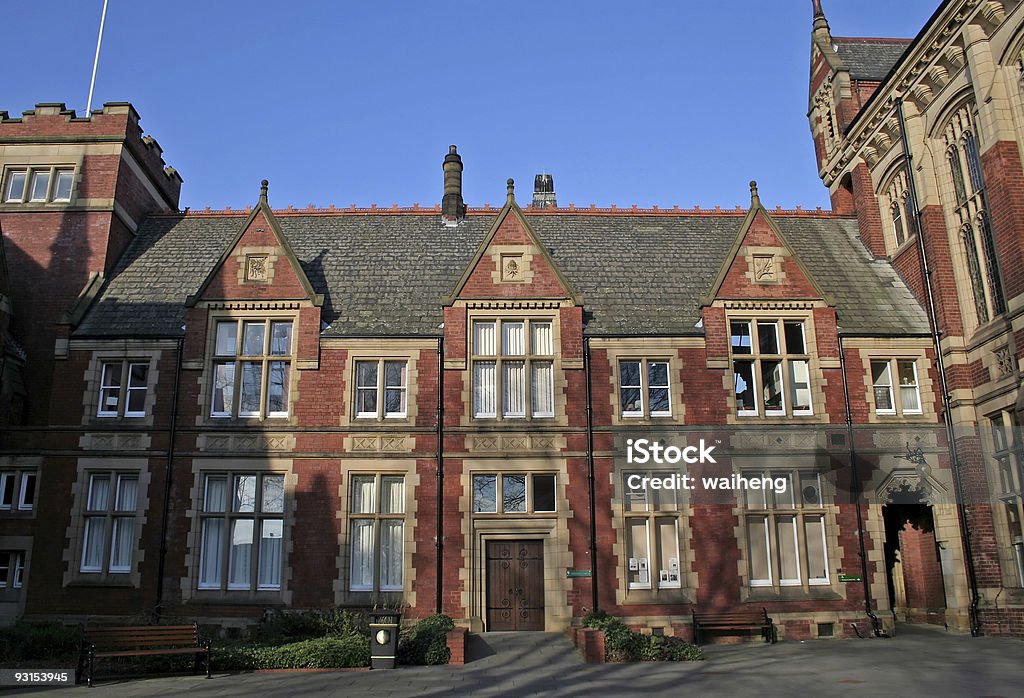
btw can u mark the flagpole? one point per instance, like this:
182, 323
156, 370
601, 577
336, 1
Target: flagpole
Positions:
96, 61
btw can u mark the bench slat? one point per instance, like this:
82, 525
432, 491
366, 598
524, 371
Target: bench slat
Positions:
104, 642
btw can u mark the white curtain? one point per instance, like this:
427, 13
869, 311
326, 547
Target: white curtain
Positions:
789, 551
512, 339
392, 496
391, 540
484, 339
92, 546
127, 489
361, 541
362, 494
760, 560
514, 389
542, 340
210, 553
216, 494
801, 386
270, 554
99, 492
240, 554
817, 555
484, 388
121, 540
543, 389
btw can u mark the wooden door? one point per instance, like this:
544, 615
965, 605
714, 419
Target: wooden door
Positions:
515, 585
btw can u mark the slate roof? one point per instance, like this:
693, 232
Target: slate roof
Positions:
386, 274
870, 59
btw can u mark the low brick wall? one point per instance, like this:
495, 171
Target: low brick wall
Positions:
589, 642
457, 645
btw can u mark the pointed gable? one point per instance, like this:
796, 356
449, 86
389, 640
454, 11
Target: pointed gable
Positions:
512, 262
258, 264
762, 264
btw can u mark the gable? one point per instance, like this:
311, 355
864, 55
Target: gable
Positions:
512, 262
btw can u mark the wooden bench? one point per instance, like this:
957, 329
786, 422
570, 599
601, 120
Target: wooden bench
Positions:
139, 641
734, 620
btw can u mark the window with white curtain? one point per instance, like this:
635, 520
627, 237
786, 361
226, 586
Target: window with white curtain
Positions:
376, 532
108, 540
241, 532
513, 369
251, 372
904, 371
786, 533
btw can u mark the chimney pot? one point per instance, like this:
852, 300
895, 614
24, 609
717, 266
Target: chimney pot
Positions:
544, 192
453, 208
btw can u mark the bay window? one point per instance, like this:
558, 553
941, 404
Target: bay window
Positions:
513, 369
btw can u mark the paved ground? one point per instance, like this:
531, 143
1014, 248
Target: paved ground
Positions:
919, 662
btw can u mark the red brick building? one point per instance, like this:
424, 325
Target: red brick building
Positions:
209, 414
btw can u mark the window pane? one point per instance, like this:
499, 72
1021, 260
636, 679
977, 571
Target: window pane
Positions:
92, 545
817, 558
636, 499
663, 500
958, 174
543, 388
28, 491
252, 343
910, 398
897, 223
361, 568
668, 551
62, 189
122, 536
810, 489
794, 337
484, 389
639, 567
392, 533
273, 494
513, 401
484, 339
137, 383
657, 388
15, 186
801, 386
542, 338
216, 499
485, 494
882, 380
127, 489
973, 163
771, 374
362, 494
392, 495
240, 554
210, 554
7, 489
629, 386
227, 338
783, 500
5, 567
513, 493
760, 563
743, 373
19, 569
543, 492
512, 339
740, 337
768, 337
394, 388
244, 493
40, 183
270, 554
249, 393
99, 492
110, 388
789, 558
223, 389
277, 388
280, 338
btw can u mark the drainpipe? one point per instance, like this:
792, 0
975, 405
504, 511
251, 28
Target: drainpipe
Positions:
439, 537
947, 414
590, 475
168, 481
856, 489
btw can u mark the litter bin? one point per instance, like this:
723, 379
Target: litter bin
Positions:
384, 627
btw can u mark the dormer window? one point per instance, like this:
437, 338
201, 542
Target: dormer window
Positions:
251, 368
771, 367
513, 369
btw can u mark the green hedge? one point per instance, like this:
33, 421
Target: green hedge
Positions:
347, 651
283, 627
44, 642
624, 645
426, 642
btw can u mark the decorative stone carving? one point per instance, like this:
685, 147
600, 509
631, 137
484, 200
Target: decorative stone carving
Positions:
256, 268
1004, 361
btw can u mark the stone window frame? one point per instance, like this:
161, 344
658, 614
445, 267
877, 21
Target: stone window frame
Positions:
834, 552
377, 517
894, 198
53, 172
381, 414
527, 317
207, 376
892, 350
410, 351
11, 594
1007, 455
127, 354
896, 387
642, 349
406, 469
625, 592
645, 413
189, 584
75, 533
780, 317
528, 492
19, 486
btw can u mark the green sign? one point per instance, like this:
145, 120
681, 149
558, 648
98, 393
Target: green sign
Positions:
577, 573
850, 578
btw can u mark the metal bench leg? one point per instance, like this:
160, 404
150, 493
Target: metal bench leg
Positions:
91, 665
208, 653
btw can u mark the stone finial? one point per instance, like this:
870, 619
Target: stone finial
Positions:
755, 200
264, 186
510, 186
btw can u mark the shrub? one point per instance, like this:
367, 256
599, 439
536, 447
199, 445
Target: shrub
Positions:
285, 627
624, 645
347, 651
426, 642
50, 642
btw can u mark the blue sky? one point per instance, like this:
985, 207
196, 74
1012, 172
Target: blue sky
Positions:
666, 103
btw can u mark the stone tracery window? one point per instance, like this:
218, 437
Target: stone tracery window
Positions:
900, 210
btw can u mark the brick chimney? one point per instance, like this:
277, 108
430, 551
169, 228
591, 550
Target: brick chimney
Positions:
544, 191
453, 208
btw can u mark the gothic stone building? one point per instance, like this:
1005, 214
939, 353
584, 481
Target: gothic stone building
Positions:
210, 414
